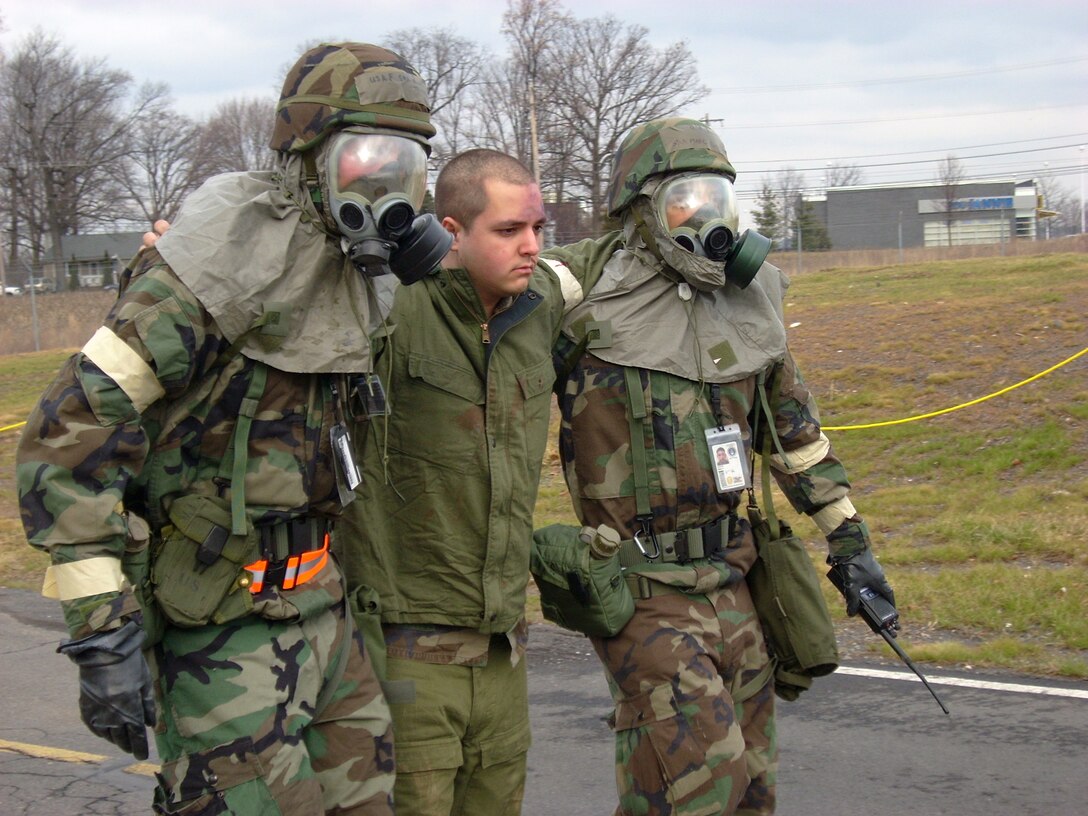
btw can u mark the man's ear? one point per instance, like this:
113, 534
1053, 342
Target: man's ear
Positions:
454, 228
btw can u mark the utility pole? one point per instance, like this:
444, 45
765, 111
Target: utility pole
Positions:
533, 148
706, 120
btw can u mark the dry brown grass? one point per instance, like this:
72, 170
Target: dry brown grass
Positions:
65, 320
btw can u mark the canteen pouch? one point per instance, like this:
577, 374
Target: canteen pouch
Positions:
198, 564
796, 623
577, 591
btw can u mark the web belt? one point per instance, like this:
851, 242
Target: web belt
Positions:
682, 546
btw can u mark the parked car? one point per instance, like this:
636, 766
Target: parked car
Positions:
13, 290
43, 285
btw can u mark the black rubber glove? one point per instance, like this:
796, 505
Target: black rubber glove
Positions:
858, 571
115, 698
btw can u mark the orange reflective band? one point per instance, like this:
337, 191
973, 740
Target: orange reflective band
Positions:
257, 568
299, 568
313, 562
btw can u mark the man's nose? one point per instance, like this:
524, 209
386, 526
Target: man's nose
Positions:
531, 243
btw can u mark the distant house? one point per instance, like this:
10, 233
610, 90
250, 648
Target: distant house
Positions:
97, 259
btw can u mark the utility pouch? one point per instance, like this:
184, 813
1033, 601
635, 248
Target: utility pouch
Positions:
783, 583
198, 575
579, 592
786, 592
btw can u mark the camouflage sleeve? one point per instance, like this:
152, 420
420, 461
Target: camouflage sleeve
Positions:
807, 470
86, 440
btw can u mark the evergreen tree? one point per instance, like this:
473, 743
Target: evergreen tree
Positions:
766, 215
814, 237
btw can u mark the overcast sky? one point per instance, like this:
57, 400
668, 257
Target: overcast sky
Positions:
892, 87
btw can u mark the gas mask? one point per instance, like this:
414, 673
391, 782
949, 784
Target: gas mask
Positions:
699, 210
376, 184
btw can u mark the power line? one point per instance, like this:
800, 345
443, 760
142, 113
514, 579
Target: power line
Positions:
751, 193
1033, 109
916, 152
931, 160
860, 83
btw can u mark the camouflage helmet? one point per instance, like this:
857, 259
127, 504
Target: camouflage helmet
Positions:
663, 146
334, 85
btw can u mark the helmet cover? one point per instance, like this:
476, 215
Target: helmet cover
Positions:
334, 85
662, 146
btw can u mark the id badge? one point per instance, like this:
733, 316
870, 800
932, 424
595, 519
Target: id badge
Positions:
347, 472
727, 458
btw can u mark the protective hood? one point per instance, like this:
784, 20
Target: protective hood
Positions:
253, 249
646, 320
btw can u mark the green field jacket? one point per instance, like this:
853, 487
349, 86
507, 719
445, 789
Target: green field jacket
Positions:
444, 516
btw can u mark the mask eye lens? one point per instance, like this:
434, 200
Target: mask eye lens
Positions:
372, 165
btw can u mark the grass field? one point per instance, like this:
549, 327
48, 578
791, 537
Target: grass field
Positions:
978, 513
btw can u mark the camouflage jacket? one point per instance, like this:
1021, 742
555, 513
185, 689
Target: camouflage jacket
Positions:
595, 439
145, 413
445, 517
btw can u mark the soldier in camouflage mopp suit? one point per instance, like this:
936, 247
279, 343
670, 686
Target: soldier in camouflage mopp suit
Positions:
186, 468
661, 358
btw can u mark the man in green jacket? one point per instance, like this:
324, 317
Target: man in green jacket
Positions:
441, 532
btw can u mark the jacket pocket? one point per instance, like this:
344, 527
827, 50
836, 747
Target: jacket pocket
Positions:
456, 380
217, 780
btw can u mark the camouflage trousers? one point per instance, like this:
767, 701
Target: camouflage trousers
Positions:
694, 717
238, 728
462, 735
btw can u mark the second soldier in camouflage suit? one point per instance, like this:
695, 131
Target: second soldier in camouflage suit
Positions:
669, 343
181, 473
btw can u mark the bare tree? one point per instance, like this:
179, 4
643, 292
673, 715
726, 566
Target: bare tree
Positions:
1059, 209
235, 137
844, 175
532, 27
500, 117
160, 171
452, 67
949, 177
610, 79
67, 129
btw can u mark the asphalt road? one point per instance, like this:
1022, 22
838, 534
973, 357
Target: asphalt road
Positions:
867, 741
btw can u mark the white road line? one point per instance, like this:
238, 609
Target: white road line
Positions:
1016, 688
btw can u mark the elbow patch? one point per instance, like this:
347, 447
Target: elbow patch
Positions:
78, 579
802, 458
118, 361
834, 514
568, 284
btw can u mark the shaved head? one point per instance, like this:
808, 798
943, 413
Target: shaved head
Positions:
459, 192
